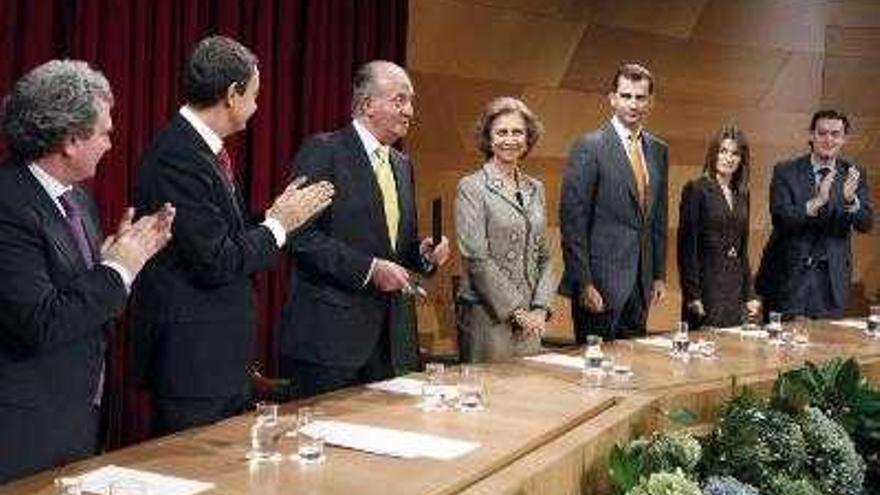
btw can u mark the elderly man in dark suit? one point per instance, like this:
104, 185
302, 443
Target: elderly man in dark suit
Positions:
613, 216
62, 286
195, 312
346, 320
816, 201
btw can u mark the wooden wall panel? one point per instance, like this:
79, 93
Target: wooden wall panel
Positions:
764, 64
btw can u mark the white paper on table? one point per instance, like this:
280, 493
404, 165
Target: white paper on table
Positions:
558, 359
386, 441
851, 323
757, 334
399, 385
662, 342
99, 481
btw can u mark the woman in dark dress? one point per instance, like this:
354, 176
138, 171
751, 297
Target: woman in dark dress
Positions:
713, 259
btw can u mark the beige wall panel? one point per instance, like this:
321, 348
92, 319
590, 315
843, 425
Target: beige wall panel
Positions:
565, 115
850, 83
689, 71
678, 19
854, 13
798, 85
853, 41
450, 106
499, 44
582, 10
792, 25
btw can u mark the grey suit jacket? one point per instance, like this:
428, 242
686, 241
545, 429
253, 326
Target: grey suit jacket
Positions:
503, 244
605, 234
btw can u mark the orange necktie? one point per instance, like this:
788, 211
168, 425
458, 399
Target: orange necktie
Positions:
638, 167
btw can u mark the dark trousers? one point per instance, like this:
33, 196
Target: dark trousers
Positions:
819, 301
34, 439
613, 323
173, 414
311, 379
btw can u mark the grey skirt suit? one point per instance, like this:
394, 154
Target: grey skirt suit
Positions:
503, 244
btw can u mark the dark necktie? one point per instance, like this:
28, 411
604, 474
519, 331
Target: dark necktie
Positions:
226, 165
821, 173
75, 226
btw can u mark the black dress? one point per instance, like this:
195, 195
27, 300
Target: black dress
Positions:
713, 261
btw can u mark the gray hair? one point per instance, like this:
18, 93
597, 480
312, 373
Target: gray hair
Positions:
57, 100
364, 83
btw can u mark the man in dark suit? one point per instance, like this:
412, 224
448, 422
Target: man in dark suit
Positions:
816, 201
613, 216
195, 313
61, 286
346, 320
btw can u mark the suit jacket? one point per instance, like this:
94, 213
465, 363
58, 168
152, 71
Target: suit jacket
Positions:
333, 315
194, 307
797, 240
504, 248
53, 312
607, 239
713, 253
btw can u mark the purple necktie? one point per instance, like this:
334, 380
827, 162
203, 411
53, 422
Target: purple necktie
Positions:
74, 221
75, 226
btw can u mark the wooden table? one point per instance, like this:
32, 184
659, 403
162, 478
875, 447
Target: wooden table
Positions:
542, 432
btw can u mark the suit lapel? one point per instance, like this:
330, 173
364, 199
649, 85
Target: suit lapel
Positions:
51, 220
495, 185
363, 176
621, 162
210, 161
404, 192
652, 161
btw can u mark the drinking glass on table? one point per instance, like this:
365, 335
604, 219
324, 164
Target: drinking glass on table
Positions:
434, 387
774, 326
800, 331
873, 328
265, 433
593, 357
309, 436
68, 485
681, 342
471, 389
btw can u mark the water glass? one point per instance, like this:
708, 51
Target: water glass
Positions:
434, 387
749, 323
309, 436
774, 326
68, 486
708, 343
800, 331
471, 389
128, 487
681, 342
623, 359
593, 353
265, 434
874, 322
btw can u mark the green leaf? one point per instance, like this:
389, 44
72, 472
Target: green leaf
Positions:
624, 470
683, 417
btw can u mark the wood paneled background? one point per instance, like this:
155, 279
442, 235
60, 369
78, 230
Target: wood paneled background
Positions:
763, 64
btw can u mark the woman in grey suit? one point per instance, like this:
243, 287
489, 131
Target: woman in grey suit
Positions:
504, 298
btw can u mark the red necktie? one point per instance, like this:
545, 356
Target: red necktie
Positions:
74, 221
226, 165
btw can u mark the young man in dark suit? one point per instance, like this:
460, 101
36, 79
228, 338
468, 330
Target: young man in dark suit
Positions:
346, 320
613, 216
816, 201
195, 313
61, 285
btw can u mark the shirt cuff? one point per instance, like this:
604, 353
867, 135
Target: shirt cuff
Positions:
369, 273
852, 207
123, 272
277, 230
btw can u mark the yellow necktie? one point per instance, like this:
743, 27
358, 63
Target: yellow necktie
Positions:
385, 178
638, 167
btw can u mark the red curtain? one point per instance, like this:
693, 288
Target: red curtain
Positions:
308, 50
